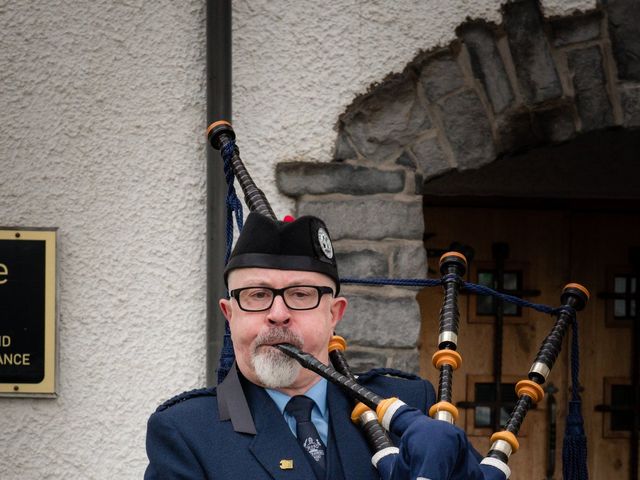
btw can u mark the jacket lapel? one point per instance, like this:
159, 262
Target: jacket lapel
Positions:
350, 441
232, 403
274, 445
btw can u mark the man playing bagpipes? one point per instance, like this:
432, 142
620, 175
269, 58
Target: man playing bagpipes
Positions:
284, 287
270, 418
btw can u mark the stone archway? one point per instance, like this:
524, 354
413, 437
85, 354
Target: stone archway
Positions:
527, 83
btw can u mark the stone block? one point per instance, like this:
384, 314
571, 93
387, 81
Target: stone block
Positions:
419, 184
555, 125
430, 157
487, 65
407, 360
362, 361
379, 321
381, 123
535, 69
368, 218
409, 260
589, 83
624, 18
576, 29
630, 101
440, 75
406, 161
516, 132
468, 130
299, 178
343, 149
363, 263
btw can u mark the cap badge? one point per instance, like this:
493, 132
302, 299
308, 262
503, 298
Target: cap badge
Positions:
325, 243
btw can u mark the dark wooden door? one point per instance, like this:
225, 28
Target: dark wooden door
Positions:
540, 251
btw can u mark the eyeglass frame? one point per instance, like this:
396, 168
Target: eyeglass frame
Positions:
279, 292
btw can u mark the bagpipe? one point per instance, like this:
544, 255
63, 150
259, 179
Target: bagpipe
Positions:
415, 456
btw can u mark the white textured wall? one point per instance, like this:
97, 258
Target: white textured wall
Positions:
102, 107
102, 136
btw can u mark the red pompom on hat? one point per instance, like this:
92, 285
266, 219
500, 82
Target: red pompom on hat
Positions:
288, 219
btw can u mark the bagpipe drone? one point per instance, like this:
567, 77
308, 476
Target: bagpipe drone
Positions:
414, 458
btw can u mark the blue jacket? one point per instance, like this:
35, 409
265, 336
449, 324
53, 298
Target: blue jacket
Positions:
236, 432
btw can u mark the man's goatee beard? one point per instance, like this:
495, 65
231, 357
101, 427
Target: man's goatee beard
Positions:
273, 368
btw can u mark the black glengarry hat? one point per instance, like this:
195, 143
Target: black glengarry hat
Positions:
302, 244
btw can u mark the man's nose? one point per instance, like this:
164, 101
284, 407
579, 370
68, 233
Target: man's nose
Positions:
279, 314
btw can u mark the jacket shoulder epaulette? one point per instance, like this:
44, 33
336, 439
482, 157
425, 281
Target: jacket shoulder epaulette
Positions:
198, 392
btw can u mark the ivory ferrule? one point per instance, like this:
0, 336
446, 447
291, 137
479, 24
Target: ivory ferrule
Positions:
444, 416
502, 446
383, 453
389, 413
450, 337
367, 416
541, 369
499, 464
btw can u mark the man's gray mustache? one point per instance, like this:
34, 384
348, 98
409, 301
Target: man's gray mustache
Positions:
280, 335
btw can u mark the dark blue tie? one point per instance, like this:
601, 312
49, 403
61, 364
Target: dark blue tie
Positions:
299, 407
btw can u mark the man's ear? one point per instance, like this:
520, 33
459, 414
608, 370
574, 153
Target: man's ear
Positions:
338, 306
225, 306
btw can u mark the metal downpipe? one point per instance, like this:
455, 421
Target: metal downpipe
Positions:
218, 19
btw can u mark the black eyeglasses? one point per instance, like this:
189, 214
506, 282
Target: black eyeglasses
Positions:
296, 297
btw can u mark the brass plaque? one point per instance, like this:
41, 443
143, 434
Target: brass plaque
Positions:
28, 312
